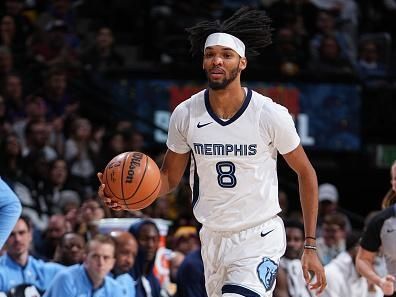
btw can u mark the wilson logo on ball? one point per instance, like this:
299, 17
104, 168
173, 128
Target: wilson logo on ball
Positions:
135, 162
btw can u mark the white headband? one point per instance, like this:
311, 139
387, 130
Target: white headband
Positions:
226, 40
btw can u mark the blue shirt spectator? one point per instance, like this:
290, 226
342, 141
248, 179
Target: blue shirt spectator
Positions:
74, 281
17, 267
126, 284
35, 272
92, 277
10, 210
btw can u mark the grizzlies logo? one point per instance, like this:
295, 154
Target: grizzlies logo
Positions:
267, 272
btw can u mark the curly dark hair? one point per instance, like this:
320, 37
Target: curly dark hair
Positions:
251, 26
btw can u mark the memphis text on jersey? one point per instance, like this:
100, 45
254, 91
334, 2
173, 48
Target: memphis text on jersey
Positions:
216, 149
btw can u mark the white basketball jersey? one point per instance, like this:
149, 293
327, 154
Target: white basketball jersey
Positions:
233, 164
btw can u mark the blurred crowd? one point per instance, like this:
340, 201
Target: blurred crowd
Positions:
54, 138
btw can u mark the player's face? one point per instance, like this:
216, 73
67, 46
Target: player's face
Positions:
393, 177
100, 260
295, 243
126, 255
19, 240
222, 66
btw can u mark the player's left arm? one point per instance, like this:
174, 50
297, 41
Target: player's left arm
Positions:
308, 187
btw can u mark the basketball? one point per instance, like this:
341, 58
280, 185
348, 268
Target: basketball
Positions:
132, 179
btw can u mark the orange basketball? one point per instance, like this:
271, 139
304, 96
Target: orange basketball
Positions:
133, 179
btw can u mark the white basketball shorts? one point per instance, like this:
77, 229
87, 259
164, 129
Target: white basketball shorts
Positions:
243, 263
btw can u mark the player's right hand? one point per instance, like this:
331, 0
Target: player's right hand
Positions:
111, 203
387, 284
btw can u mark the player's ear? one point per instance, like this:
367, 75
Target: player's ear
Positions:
242, 63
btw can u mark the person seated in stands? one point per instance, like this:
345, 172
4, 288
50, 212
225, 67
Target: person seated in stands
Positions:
148, 237
126, 252
369, 67
332, 240
71, 249
290, 280
330, 62
102, 56
90, 278
45, 242
18, 267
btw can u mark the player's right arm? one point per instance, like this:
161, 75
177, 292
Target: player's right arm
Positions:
364, 265
172, 170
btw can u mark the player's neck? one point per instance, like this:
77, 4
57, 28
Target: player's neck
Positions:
226, 103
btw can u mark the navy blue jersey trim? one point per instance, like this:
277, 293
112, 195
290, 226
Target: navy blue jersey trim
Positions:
235, 117
235, 289
195, 190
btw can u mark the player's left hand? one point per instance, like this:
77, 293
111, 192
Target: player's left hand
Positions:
311, 265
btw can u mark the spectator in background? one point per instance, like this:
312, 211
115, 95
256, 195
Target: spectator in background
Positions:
18, 267
45, 242
371, 71
81, 151
190, 276
186, 239
283, 203
328, 200
287, 58
91, 277
326, 26
59, 187
35, 110
60, 103
290, 279
13, 95
102, 57
58, 10
23, 25
89, 212
34, 195
6, 63
5, 124
126, 252
113, 144
52, 47
332, 240
10, 38
11, 168
147, 236
330, 63
71, 249
343, 279
37, 139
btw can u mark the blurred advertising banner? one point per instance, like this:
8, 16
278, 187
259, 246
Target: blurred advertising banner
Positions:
327, 116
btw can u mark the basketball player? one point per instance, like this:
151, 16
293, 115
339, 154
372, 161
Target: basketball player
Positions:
10, 210
233, 135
